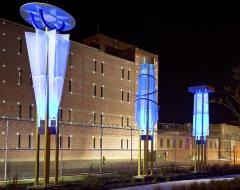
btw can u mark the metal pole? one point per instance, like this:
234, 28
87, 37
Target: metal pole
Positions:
6, 153
147, 128
37, 142
61, 169
175, 156
101, 150
152, 153
57, 151
47, 142
139, 153
131, 154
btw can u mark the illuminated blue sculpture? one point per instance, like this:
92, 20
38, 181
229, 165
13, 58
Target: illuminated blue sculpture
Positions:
146, 110
48, 54
200, 111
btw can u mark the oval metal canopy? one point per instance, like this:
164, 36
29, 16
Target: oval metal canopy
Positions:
42, 15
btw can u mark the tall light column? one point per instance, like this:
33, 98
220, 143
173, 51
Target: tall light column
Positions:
48, 54
200, 122
146, 110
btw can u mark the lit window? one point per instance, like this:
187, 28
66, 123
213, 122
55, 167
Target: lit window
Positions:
18, 140
93, 142
69, 141
94, 90
19, 46
19, 76
215, 145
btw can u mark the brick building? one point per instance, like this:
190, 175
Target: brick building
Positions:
98, 100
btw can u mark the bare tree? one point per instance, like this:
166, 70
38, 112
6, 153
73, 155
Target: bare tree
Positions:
229, 97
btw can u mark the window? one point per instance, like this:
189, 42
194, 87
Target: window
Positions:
174, 143
128, 96
210, 144
127, 143
30, 141
122, 94
70, 85
18, 140
121, 120
168, 143
19, 76
102, 91
101, 119
94, 89
121, 143
94, 66
129, 74
93, 142
128, 121
100, 142
30, 112
61, 114
69, 141
19, 109
122, 73
31, 82
161, 142
19, 46
70, 59
94, 118
70, 115
102, 71
60, 141
180, 143
215, 144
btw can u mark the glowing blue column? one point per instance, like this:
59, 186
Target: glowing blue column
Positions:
200, 111
48, 53
146, 110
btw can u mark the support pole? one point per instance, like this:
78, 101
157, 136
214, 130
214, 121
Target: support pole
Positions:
47, 137
145, 163
37, 143
205, 154
139, 153
152, 154
6, 152
57, 152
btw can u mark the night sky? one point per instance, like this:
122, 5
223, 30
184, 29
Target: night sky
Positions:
196, 44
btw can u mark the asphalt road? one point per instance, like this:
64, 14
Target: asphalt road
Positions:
169, 185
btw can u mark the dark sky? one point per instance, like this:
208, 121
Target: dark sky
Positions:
197, 44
